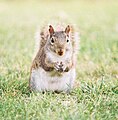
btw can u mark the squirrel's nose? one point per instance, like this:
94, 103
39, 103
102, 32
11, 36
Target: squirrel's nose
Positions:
60, 52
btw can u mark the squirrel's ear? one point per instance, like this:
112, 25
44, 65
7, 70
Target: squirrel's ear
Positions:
51, 30
67, 30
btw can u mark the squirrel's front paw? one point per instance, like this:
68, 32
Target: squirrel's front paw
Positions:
59, 67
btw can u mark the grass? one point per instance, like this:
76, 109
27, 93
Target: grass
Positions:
97, 96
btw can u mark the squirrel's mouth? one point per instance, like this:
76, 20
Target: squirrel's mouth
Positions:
60, 52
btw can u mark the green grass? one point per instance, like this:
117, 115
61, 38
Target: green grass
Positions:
97, 96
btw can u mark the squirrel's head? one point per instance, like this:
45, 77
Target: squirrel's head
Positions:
59, 42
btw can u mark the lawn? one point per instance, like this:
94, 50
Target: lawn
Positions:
96, 98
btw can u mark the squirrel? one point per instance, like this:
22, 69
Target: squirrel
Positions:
54, 66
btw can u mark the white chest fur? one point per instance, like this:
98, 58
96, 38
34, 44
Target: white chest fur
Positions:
42, 80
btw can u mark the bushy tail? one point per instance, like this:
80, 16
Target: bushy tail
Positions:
37, 42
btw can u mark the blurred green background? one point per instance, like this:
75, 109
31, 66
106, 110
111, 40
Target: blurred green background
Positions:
96, 98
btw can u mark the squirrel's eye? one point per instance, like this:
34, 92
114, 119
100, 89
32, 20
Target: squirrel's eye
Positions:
67, 40
52, 40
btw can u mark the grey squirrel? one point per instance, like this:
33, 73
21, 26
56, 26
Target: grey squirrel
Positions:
54, 66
